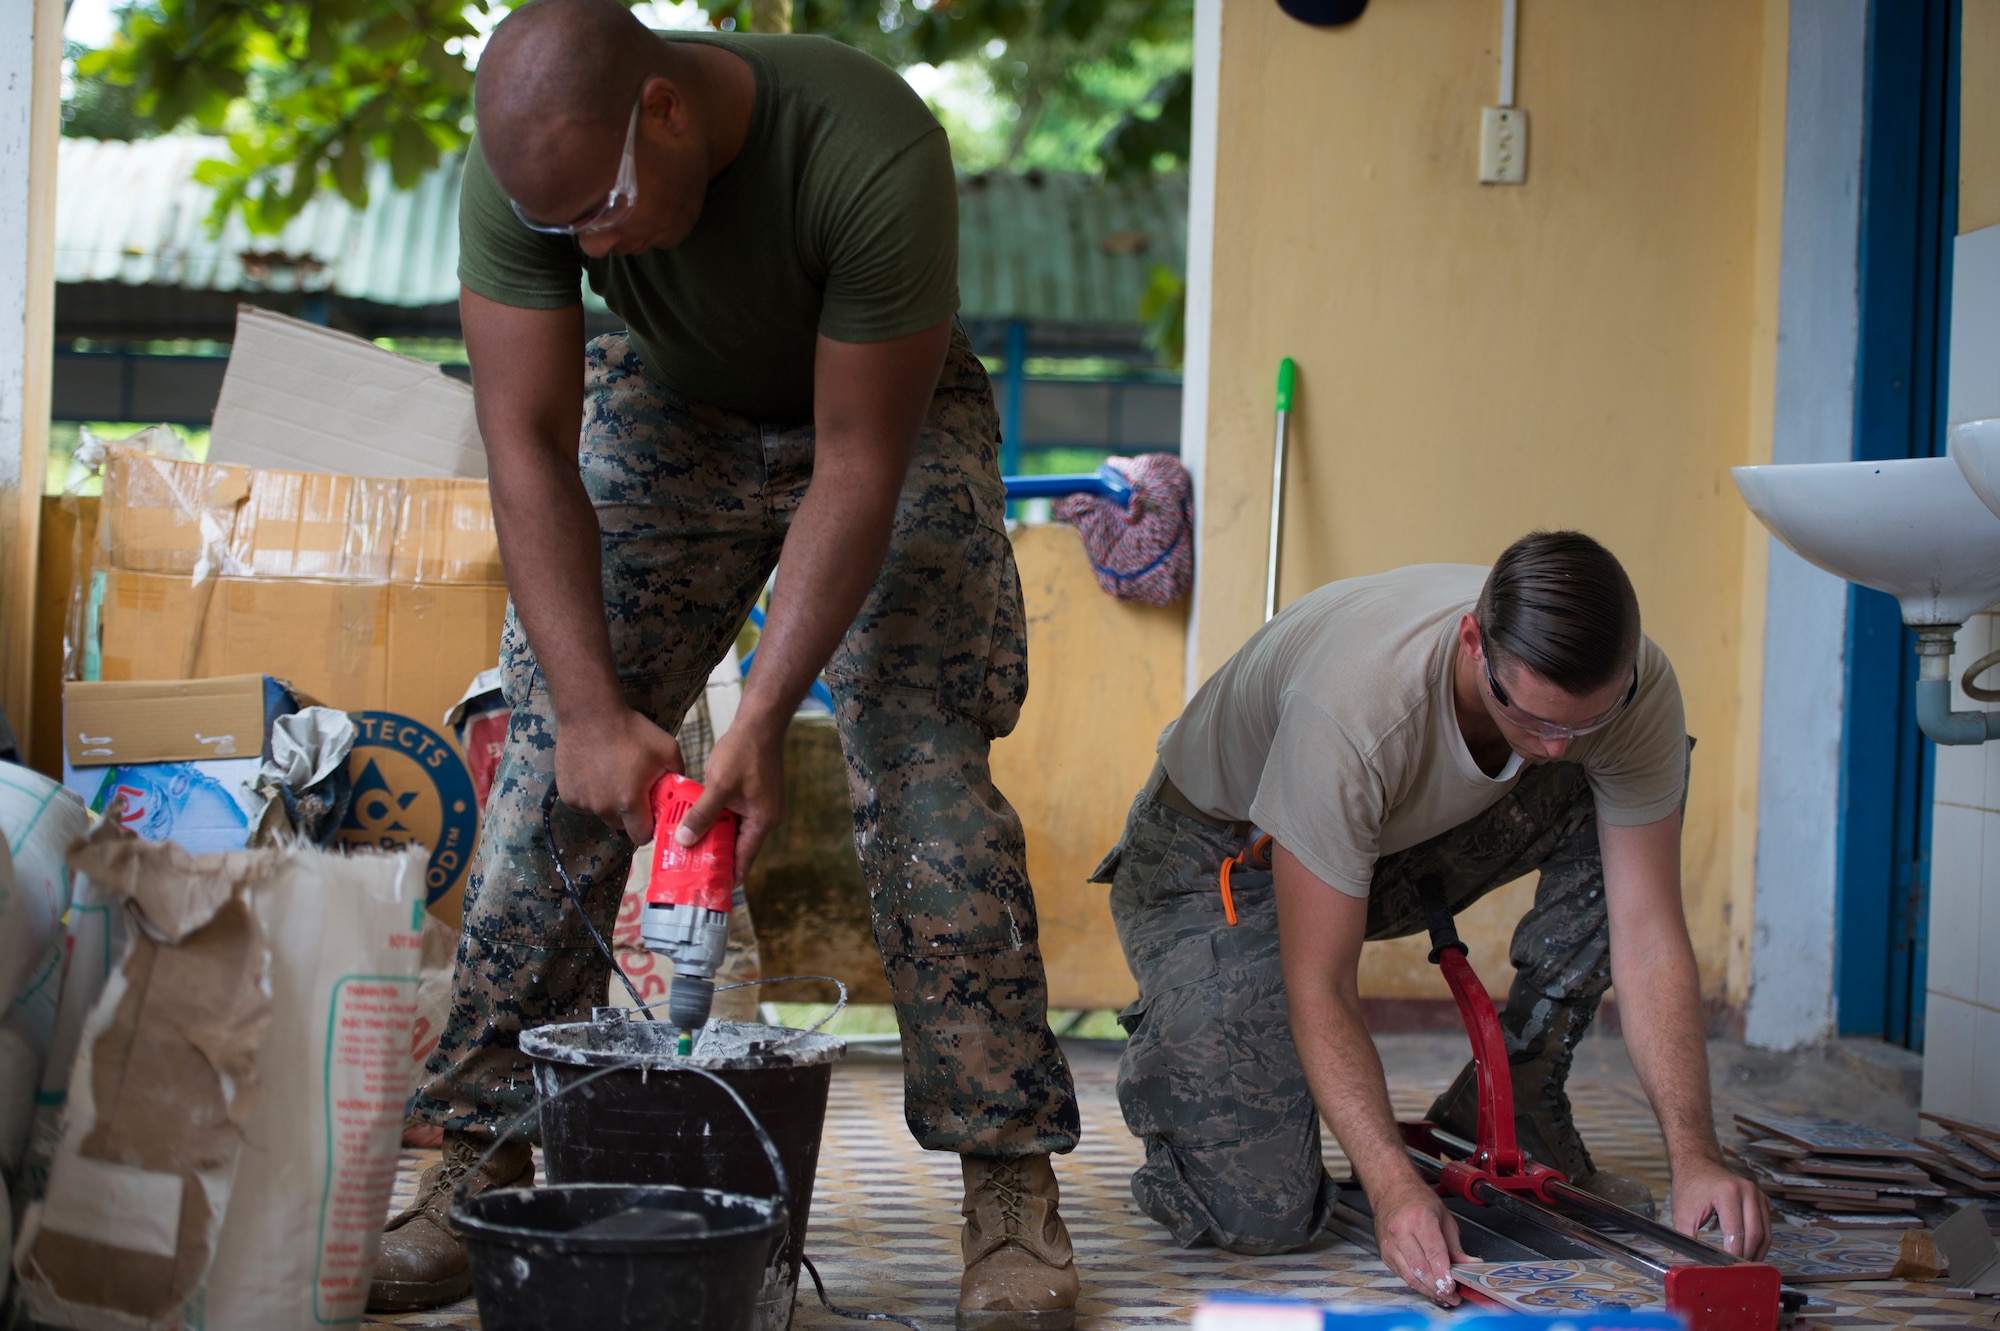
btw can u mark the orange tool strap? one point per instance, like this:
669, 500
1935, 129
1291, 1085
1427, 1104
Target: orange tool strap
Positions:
1256, 855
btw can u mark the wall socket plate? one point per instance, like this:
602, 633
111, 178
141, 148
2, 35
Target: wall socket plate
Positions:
1503, 145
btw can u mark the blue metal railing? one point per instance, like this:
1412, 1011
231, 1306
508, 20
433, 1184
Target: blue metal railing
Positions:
1106, 482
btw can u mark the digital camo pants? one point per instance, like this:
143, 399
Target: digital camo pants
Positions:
694, 503
1210, 1079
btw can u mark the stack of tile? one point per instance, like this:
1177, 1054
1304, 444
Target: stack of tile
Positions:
1831, 1172
1966, 1159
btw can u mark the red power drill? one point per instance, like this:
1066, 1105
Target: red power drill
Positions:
688, 899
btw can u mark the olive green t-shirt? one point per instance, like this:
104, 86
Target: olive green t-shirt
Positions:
839, 217
1334, 729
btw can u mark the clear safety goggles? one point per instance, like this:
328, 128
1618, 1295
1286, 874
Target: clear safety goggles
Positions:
1535, 725
616, 208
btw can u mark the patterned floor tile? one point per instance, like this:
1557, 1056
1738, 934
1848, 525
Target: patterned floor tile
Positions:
885, 1214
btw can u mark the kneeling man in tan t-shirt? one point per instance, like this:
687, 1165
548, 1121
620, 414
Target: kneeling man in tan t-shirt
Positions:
1440, 725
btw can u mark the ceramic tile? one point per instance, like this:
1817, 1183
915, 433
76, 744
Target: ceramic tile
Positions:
1961, 775
1990, 755
1833, 1136
1546, 1287
1961, 772
1969, 774
1986, 912
1986, 1074
1949, 1052
1957, 862
1812, 1255
884, 1227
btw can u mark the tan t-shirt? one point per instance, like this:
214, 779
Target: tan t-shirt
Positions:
1333, 728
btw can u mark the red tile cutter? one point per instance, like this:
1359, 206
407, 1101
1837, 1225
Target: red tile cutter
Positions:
1712, 1290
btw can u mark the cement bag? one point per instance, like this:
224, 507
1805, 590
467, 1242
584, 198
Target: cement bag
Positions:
26, 1030
165, 1080
305, 1219
95, 939
38, 820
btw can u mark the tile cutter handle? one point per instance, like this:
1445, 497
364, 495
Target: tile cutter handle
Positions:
1496, 1160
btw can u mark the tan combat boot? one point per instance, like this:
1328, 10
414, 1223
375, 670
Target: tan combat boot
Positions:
423, 1262
1019, 1272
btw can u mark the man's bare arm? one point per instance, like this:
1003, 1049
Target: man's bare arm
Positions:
1659, 996
1320, 931
527, 379
869, 403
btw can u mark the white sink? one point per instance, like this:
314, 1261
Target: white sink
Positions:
1911, 528
1975, 446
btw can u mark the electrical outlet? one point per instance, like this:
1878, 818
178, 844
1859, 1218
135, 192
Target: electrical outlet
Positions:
1503, 145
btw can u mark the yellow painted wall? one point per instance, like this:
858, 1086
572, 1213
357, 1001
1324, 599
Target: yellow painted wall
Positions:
1104, 679
1979, 117
1590, 349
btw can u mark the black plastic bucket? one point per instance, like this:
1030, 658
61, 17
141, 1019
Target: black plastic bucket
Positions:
611, 1257
637, 1126
628, 1257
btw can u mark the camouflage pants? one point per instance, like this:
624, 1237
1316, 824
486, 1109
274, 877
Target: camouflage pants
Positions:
694, 503
1210, 1079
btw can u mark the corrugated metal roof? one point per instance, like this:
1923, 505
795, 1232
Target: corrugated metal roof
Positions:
1052, 247
1043, 247
133, 213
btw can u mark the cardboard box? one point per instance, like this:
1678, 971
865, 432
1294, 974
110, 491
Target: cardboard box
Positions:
180, 752
356, 646
297, 395
204, 519
171, 721
370, 594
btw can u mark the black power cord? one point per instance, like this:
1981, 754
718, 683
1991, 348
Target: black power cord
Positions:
828, 1304
569, 889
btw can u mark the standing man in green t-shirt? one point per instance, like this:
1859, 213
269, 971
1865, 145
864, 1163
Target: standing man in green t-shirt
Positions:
775, 218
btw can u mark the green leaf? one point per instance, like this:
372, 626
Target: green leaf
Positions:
411, 153
386, 32
349, 171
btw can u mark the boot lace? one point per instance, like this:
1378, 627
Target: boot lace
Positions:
1004, 1181
461, 1156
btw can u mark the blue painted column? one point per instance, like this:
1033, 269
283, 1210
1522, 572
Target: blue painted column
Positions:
1909, 216
1011, 385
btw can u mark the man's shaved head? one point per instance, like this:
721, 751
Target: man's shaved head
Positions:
559, 77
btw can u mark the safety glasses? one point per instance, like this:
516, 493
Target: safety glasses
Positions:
1535, 725
615, 209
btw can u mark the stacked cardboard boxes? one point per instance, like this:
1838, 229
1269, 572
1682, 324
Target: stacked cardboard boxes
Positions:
368, 594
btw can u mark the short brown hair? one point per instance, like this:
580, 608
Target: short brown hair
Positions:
1560, 604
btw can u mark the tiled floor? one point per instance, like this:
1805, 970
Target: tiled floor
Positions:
885, 1214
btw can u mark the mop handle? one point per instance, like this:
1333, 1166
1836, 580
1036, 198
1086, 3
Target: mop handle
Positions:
1287, 378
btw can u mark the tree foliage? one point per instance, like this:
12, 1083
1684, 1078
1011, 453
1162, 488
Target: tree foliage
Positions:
307, 93
1137, 142
96, 108
310, 92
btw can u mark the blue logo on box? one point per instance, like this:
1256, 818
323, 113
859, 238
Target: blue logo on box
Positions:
411, 788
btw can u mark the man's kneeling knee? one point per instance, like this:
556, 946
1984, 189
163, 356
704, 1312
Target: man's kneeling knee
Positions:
1215, 1196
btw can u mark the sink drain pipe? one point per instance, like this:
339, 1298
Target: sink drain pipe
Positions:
1934, 715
